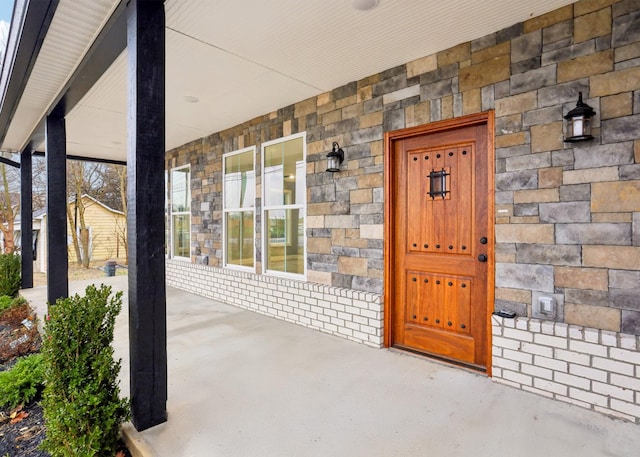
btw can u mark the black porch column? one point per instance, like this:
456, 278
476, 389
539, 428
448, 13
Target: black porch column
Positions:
26, 218
145, 218
57, 254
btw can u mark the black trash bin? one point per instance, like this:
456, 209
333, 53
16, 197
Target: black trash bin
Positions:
110, 268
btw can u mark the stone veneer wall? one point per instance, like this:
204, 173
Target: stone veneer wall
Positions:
567, 215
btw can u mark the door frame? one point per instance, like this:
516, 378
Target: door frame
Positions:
390, 170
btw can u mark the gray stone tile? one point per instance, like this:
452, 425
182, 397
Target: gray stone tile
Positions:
482, 43
563, 158
517, 180
594, 233
524, 276
590, 155
630, 172
628, 299
509, 33
526, 65
488, 97
575, 192
626, 29
563, 93
557, 32
529, 162
568, 53
631, 322
548, 254
513, 151
542, 116
569, 212
533, 79
526, 46
436, 90
621, 129
624, 279
525, 209
367, 284
586, 297
393, 120
505, 305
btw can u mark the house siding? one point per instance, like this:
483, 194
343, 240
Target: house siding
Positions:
107, 229
567, 220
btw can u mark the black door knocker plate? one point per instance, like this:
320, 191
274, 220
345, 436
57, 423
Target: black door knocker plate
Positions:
438, 183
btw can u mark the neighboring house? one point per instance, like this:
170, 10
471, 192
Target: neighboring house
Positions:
458, 195
106, 227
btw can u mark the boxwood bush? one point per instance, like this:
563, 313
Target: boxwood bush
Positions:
81, 401
10, 271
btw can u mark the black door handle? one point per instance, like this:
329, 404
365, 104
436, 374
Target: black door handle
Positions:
482, 257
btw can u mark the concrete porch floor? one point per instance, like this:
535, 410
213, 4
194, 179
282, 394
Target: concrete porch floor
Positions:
243, 384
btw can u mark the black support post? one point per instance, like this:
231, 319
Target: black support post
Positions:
57, 254
145, 217
26, 218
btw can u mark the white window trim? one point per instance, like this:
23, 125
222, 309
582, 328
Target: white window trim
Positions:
225, 210
167, 215
179, 213
264, 209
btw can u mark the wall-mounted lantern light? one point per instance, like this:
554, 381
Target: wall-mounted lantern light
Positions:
335, 158
578, 125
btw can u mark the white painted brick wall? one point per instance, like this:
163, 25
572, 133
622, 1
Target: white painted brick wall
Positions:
347, 313
595, 369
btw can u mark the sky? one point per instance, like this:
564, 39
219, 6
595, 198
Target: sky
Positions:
6, 9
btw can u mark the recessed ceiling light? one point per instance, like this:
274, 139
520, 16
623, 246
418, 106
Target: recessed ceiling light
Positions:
191, 99
365, 5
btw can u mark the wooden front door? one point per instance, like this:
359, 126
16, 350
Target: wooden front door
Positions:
439, 243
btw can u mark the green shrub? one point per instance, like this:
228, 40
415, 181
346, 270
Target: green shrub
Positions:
81, 401
10, 270
23, 382
7, 302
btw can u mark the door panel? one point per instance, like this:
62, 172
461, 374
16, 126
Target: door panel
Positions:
439, 214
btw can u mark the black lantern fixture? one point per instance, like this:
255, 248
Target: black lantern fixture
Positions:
578, 126
335, 158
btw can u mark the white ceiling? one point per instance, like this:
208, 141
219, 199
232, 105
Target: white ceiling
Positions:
244, 58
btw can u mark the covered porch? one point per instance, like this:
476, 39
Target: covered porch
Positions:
272, 388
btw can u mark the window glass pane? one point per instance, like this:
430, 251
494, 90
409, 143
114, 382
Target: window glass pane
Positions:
181, 235
180, 190
239, 230
284, 171
285, 240
273, 175
239, 181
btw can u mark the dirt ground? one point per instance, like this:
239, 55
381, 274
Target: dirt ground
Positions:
78, 273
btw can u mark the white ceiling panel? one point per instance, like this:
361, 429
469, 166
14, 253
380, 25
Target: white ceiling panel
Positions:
229, 61
73, 29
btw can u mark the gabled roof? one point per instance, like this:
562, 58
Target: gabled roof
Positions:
43, 212
227, 61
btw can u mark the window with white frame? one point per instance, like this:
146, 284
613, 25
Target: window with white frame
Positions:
180, 182
167, 221
284, 205
239, 197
